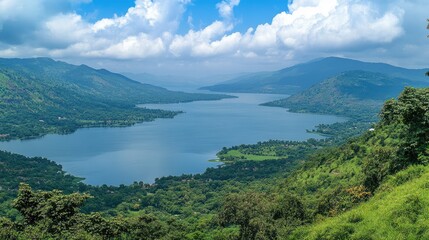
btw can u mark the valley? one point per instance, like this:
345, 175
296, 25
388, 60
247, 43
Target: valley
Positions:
279, 174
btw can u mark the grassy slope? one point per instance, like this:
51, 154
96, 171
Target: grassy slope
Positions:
236, 154
271, 150
399, 210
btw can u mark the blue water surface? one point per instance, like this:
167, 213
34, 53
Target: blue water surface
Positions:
176, 146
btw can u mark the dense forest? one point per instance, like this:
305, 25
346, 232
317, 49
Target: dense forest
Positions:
371, 187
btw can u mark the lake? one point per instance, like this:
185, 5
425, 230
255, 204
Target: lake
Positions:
182, 145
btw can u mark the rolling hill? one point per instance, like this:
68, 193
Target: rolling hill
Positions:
354, 94
297, 78
40, 95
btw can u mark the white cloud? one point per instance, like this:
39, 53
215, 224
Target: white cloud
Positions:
211, 40
227, 44
140, 46
226, 8
63, 30
19, 19
147, 16
324, 24
328, 24
194, 42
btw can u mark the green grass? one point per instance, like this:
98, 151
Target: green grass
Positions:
236, 154
399, 210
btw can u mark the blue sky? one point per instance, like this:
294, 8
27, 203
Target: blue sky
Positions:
203, 36
98, 9
250, 13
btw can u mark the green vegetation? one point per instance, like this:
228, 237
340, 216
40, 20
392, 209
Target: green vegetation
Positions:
399, 210
233, 155
271, 150
371, 187
182, 207
356, 94
40, 96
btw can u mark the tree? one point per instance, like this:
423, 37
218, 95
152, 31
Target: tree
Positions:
376, 168
289, 209
55, 211
250, 211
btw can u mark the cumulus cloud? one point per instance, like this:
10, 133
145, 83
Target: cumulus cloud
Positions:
226, 8
309, 24
140, 46
147, 16
149, 30
212, 40
328, 24
336, 24
62, 31
19, 19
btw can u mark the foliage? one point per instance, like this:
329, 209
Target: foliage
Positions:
271, 150
249, 211
397, 211
53, 208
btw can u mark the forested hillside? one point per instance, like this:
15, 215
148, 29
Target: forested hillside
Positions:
355, 94
40, 96
371, 187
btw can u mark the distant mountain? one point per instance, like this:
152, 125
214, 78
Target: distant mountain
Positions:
40, 95
353, 93
180, 82
302, 76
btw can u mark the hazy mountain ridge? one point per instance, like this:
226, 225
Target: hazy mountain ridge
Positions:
181, 82
297, 78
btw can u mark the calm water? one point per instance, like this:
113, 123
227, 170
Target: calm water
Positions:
170, 146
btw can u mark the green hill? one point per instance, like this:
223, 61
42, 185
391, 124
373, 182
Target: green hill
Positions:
356, 94
372, 187
40, 95
399, 210
297, 78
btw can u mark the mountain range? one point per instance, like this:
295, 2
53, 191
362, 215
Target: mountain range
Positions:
300, 77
